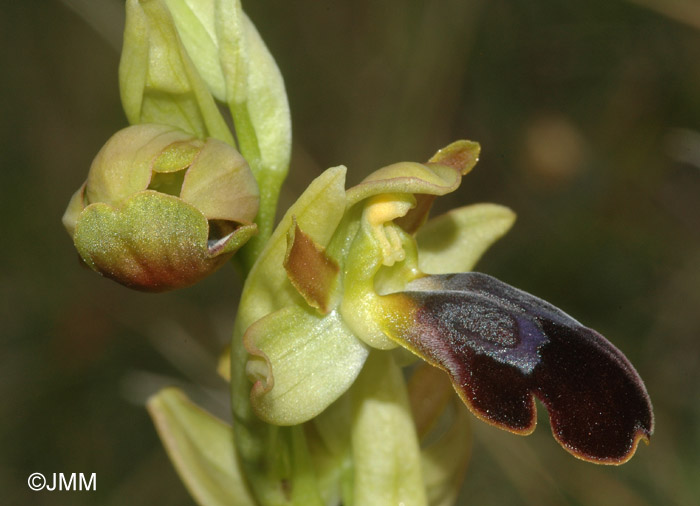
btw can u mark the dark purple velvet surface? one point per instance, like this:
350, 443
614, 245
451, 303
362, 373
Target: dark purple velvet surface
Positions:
501, 346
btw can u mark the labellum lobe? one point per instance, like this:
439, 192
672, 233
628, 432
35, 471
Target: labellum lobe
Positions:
503, 347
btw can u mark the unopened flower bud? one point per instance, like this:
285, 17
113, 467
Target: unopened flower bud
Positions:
162, 209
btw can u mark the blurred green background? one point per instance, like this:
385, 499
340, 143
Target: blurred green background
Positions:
589, 118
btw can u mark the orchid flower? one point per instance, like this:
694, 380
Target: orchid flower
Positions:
364, 285
351, 279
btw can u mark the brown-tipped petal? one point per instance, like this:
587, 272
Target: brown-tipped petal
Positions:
309, 269
407, 177
503, 347
461, 155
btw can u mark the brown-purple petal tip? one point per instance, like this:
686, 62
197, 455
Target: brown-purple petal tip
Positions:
503, 347
309, 269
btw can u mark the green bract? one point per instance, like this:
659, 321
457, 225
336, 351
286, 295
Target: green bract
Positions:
162, 209
201, 449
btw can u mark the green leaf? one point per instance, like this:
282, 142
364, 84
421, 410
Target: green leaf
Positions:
301, 362
201, 448
384, 442
158, 81
454, 242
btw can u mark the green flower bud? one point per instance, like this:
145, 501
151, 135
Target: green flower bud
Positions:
162, 209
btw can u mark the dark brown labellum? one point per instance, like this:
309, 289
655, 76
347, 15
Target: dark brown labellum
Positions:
502, 347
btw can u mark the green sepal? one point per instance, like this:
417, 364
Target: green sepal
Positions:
201, 447
158, 81
300, 363
153, 242
220, 184
386, 455
454, 241
124, 165
318, 212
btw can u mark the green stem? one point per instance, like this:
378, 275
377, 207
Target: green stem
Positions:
269, 180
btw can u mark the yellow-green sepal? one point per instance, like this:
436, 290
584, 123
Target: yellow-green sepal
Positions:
317, 212
454, 241
267, 289
300, 363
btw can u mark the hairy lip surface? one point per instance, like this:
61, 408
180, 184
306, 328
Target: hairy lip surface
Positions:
503, 347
